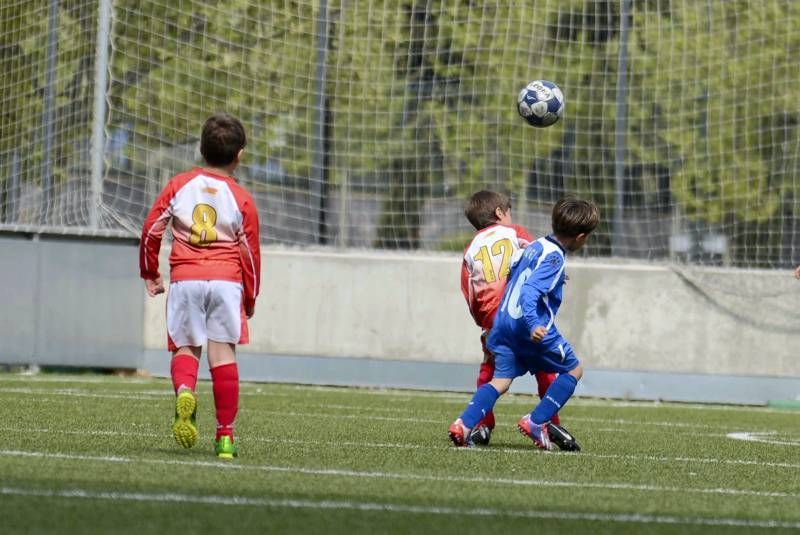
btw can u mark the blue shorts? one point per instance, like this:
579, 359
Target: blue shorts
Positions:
554, 355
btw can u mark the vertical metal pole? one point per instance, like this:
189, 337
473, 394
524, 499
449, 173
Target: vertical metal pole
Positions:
48, 113
344, 209
99, 119
12, 193
319, 173
621, 128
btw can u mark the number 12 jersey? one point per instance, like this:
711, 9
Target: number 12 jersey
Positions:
487, 261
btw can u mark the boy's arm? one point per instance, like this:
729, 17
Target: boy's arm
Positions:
541, 281
524, 236
152, 232
250, 251
466, 287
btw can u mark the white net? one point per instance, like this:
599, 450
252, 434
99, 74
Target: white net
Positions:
47, 55
370, 122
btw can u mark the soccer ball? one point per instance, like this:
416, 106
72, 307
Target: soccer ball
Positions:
541, 103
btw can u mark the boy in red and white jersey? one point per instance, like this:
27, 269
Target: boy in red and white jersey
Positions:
484, 272
215, 268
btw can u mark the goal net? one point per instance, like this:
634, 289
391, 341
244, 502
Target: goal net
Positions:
370, 122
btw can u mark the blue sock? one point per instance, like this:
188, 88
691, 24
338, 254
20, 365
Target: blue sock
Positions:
555, 398
482, 402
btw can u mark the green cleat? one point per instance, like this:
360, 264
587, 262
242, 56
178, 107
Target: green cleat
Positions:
225, 448
184, 428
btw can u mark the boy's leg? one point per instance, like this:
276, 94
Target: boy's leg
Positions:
185, 337
559, 357
225, 383
482, 432
486, 375
556, 396
185, 362
183, 368
226, 325
543, 382
482, 402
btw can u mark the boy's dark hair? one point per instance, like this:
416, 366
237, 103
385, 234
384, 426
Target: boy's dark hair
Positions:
480, 208
573, 216
222, 138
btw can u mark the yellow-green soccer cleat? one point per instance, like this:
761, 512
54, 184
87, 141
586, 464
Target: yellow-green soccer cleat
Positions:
225, 447
184, 428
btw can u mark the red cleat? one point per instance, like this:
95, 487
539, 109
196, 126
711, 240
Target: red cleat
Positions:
537, 433
460, 435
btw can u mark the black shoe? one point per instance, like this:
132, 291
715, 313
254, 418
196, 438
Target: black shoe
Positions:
561, 438
481, 435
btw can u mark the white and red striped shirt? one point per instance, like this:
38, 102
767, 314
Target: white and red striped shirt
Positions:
487, 261
215, 232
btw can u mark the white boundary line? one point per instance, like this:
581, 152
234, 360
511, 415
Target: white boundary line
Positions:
150, 395
480, 480
392, 508
476, 451
460, 397
763, 437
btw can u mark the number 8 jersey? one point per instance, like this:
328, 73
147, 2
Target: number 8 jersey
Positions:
487, 261
215, 232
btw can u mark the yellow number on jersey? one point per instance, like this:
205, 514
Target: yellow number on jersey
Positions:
500, 247
203, 233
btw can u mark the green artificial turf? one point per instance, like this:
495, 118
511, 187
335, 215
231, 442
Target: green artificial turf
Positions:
94, 454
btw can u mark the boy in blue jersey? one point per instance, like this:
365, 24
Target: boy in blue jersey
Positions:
524, 337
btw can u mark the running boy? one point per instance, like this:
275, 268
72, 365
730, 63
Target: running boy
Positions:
215, 267
484, 271
524, 337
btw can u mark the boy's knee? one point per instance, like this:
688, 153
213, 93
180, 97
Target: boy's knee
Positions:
501, 385
577, 372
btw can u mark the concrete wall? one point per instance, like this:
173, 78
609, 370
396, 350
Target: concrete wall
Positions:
398, 319
69, 301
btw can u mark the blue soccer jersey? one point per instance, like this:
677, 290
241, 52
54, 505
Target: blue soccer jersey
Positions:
532, 298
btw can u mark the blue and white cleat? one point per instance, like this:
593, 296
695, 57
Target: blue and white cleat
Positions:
537, 433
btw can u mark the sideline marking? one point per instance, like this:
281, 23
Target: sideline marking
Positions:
465, 451
150, 395
390, 507
450, 396
765, 437
401, 476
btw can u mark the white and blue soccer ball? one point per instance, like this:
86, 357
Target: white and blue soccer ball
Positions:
541, 103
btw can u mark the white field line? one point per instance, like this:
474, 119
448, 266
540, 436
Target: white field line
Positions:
395, 508
399, 394
360, 411
481, 480
22, 378
475, 451
150, 395
134, 395
766, 438
392, 508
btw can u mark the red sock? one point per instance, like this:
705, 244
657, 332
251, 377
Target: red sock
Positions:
544, 380
184, 371
485, 375
225, 381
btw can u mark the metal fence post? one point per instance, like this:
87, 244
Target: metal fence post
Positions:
99, 119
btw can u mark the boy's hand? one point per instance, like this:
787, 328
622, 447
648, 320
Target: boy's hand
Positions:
797, 272
249, 310
154, 287
537, 335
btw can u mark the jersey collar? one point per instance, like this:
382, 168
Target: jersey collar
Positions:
553, 239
